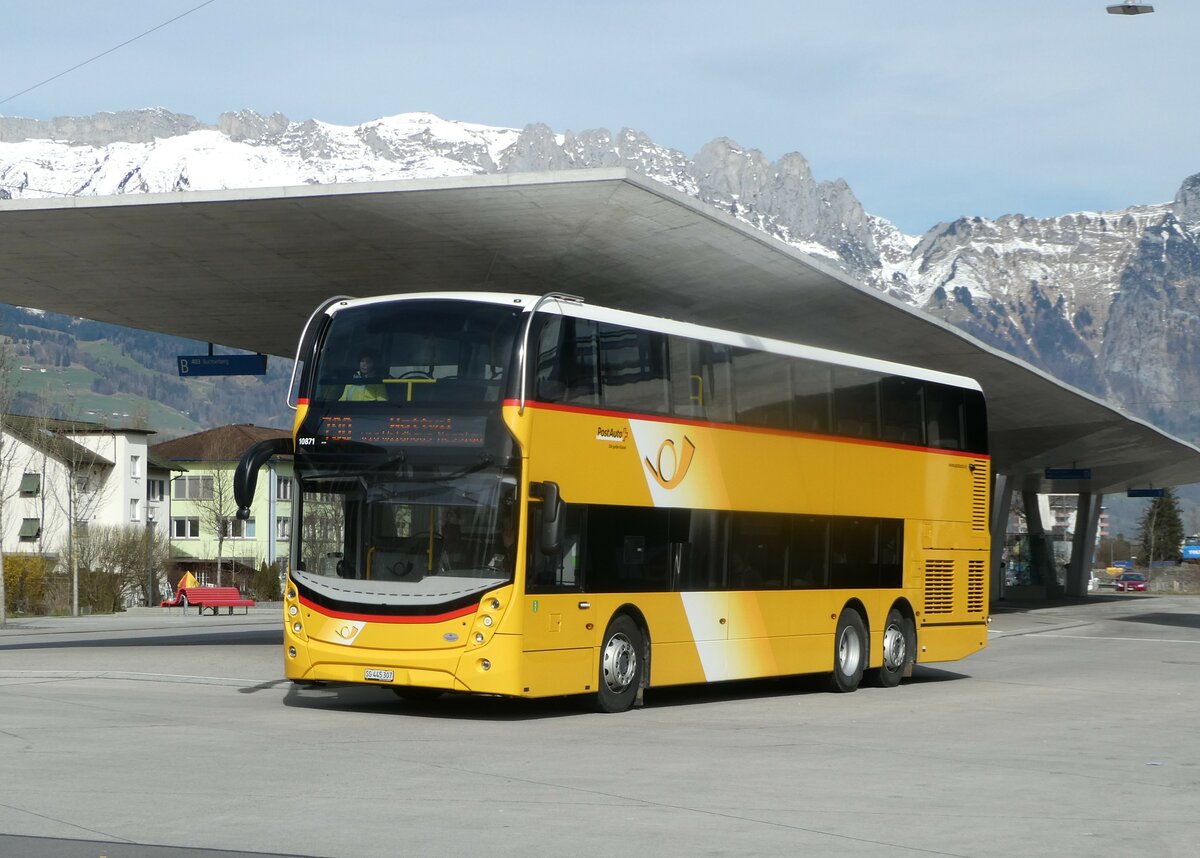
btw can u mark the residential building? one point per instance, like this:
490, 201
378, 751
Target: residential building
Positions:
204, 530
56, 471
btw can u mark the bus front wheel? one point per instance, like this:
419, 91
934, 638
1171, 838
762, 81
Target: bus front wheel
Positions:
621, 657
849, 652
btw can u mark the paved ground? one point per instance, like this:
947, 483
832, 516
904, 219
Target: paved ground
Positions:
139, 736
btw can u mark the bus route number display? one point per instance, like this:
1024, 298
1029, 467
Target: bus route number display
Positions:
404, 431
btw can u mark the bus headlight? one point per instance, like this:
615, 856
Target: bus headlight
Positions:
478, 637
484, 664
293, 610
296, 627
487, 621
291, 652
495, 604
291, 594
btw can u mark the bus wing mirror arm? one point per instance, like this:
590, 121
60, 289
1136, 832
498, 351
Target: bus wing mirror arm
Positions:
553, 521
245, 475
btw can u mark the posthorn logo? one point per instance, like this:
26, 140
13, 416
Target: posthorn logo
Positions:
672, 465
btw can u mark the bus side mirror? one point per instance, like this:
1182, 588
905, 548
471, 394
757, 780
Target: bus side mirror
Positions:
553, 521
245, 475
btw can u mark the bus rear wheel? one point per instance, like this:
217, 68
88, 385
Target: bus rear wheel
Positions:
899, 648
849, 652
621, 659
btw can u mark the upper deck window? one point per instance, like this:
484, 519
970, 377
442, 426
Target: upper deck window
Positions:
443, 351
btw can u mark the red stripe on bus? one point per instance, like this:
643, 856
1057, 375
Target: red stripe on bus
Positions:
758, 430
388, 618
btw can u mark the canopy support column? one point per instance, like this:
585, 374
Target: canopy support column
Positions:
1087, 520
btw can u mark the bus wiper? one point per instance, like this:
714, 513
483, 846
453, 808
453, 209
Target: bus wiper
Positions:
484, 461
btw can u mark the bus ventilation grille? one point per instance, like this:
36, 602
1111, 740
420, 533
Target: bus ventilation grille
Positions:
976, 586
939, 587
979, 496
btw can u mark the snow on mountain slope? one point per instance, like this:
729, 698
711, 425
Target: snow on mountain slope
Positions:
1075, 294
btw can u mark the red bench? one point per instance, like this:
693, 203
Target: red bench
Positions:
209, 597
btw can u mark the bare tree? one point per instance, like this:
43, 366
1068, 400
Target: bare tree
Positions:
113, 564
80, 495
217, 508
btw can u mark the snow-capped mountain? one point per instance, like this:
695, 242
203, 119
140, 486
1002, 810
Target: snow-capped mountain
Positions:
1109, 302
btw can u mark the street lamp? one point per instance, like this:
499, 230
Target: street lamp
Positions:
150, 559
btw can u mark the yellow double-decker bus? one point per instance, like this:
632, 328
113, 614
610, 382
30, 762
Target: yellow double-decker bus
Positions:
531, 496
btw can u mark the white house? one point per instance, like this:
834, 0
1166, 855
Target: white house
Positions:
53, 471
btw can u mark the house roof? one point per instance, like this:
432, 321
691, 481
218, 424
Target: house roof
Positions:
49, 437
223, 444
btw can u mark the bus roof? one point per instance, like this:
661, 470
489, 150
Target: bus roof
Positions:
584, 310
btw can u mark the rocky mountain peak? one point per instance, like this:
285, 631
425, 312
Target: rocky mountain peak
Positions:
1103, 300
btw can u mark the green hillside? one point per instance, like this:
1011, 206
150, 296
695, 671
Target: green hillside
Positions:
84, 370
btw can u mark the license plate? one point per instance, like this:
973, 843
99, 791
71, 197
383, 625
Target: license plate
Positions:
379, 675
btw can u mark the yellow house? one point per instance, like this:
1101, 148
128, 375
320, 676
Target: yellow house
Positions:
206, 537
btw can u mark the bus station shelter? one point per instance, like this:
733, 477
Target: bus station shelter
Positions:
245, 268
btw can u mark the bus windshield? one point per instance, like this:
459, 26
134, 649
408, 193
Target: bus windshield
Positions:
435, 350
425, 539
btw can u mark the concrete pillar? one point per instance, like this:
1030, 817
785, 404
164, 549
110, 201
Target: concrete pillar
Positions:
1083, 543
1001, 506
1041, 552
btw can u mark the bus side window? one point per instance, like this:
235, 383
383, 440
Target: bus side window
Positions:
943, 417
699, 534
856, 403
760, 388
633, 370
808, 567
566, 368
900, 410
701, 383
627, 549
810, 396
561, 571
758, 550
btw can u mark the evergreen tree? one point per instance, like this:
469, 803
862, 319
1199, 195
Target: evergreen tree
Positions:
1161, 528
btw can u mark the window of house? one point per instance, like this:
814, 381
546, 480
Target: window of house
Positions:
235, 528
135, 510
283, 488
194, 488
283, 526
135, 463
31, 529
185, 528
31, 485
156, 490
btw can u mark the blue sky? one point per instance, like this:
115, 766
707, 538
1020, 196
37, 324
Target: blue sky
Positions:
929, 110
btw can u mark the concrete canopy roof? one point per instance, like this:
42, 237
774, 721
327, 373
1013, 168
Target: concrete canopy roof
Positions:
245, 269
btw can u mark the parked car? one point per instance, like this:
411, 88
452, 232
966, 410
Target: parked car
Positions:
1130, 581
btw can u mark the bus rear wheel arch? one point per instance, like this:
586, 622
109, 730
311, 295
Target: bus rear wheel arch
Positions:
850, 651
623, 664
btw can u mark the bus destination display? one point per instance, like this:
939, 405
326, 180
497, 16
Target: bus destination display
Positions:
404, 431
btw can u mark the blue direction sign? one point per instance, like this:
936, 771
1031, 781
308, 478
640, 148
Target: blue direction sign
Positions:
1068, 473
1144, 493
191, 365
1191, 552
